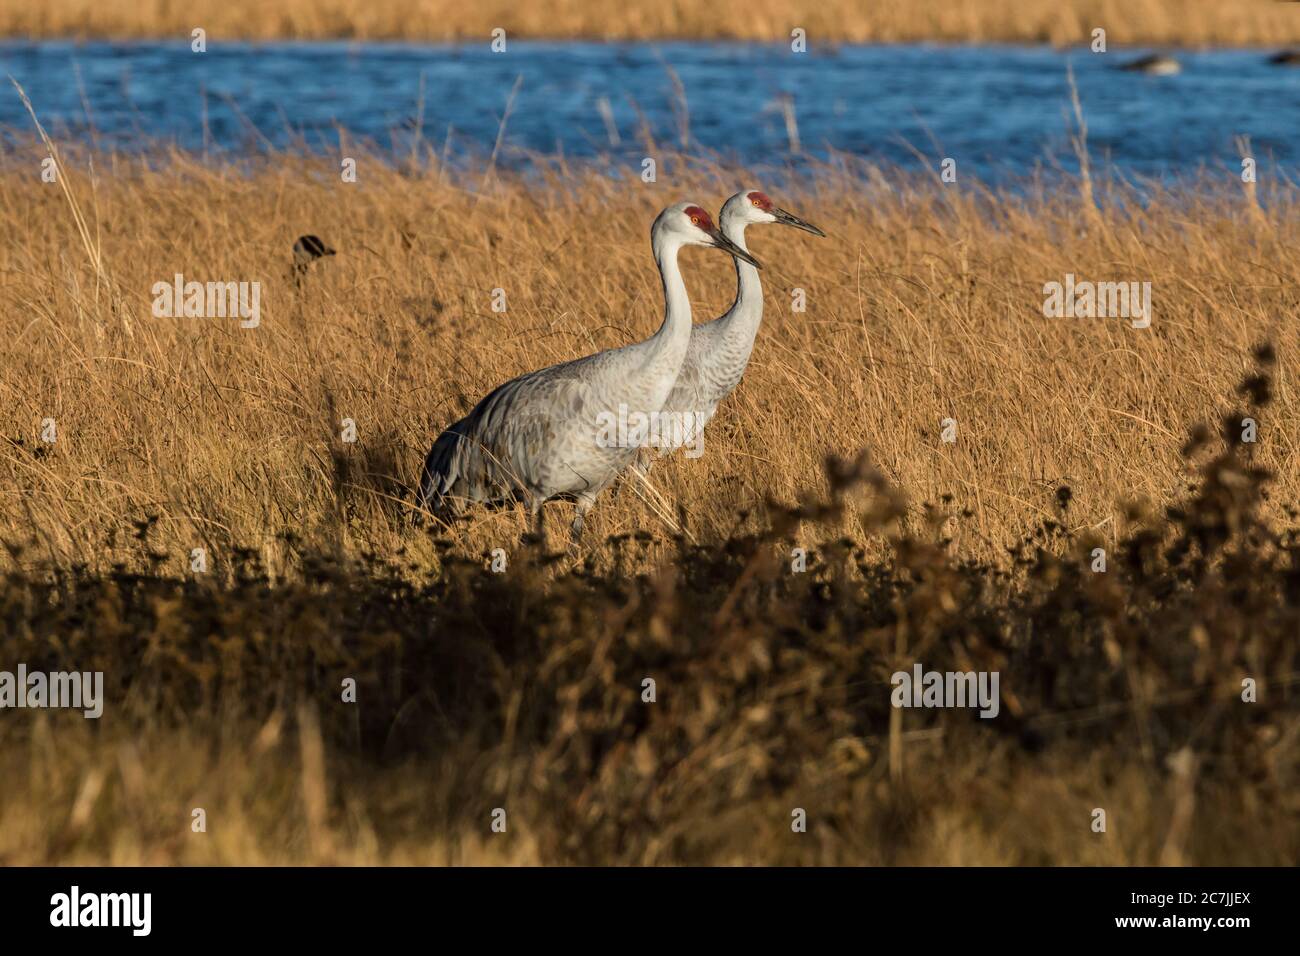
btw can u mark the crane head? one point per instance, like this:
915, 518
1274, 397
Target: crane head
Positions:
691, 225
754, 206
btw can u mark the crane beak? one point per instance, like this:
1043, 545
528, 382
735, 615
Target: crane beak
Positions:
722, 242
787, 219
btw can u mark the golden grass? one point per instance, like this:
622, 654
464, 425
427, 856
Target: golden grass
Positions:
923, 305
80, 801
1181, 22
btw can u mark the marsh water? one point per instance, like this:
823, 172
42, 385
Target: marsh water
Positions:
999, 111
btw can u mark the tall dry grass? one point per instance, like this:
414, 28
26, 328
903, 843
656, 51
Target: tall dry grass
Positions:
923, 305
521, 690
1181, 22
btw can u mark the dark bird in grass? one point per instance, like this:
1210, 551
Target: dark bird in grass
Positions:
309, 248
1154, 64
1285, 58
306, 250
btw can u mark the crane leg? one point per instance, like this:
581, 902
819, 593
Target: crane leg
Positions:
538, 533
583, 506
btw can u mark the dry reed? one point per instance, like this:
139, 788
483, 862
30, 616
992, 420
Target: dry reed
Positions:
924, 304
1163, 22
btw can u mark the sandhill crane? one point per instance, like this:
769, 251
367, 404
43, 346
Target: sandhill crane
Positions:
719, 350
546, 434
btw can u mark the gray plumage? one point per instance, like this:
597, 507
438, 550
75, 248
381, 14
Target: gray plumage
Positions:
553, 433
719, 351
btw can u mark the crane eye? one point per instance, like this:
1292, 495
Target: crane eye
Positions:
695, 219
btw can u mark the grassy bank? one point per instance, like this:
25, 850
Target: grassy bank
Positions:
522, 690
1162, 22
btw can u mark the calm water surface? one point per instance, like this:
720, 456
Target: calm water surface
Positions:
999, 111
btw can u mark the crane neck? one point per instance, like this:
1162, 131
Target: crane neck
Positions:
747, 310
676, 327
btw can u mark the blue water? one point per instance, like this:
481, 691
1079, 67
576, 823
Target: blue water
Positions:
998, 111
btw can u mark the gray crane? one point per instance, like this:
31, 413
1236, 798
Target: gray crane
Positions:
719, 350
548, 434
